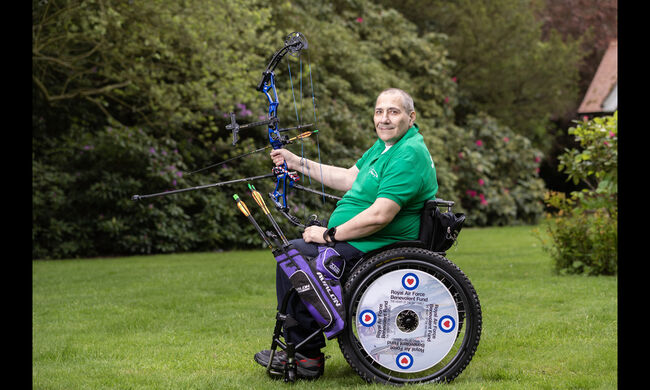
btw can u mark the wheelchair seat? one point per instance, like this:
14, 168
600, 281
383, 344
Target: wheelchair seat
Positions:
425, 235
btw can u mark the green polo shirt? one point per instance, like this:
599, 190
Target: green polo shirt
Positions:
404, 173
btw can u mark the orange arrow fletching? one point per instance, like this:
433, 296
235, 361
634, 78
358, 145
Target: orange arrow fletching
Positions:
241, 205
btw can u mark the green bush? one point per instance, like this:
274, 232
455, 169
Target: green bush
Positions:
582, 242
584, 228
82, 199
497, 174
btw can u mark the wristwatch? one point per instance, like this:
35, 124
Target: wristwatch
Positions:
330, 233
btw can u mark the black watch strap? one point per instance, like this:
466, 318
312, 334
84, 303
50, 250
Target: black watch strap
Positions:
330, 233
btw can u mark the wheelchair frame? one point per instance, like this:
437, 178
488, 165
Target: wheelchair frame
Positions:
284, 320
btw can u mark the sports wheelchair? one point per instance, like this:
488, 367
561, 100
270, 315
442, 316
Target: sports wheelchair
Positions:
411, 315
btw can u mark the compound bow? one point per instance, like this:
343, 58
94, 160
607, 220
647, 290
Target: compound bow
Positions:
294, 44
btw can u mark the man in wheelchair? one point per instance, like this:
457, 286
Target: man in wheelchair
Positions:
385, 192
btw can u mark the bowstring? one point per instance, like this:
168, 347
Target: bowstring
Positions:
298, 119
313, 100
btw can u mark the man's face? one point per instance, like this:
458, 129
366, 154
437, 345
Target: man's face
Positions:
391, 119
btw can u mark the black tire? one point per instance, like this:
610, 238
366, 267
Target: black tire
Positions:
459, 289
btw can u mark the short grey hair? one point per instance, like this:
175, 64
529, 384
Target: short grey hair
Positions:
407, 100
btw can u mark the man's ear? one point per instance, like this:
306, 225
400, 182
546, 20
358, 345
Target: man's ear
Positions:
412, 118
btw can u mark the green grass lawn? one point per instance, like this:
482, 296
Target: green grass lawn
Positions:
194, 321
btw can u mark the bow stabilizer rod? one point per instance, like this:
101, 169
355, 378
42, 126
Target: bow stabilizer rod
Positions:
223, 183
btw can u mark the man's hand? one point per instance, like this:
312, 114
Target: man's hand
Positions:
314, 234
281, 155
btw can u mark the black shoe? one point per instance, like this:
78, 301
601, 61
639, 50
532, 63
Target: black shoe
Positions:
308, 368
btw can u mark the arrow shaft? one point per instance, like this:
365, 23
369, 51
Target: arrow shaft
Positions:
242, 207
260, 201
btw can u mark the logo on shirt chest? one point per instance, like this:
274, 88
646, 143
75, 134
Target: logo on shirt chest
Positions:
373, 172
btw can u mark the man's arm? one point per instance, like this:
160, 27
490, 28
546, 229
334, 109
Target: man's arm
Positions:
334, 177
367, 222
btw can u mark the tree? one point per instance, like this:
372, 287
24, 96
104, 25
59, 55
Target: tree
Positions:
158, 63
595, 21
505, 66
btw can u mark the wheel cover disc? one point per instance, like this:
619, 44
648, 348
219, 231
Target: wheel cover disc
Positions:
407, 320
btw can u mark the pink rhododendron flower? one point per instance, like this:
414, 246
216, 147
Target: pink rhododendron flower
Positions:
359, 19
506, 139
481, 182
479, 142
483, 201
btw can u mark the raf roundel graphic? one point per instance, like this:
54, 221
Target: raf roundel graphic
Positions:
446, 324
367, 318
404, 360
410, 281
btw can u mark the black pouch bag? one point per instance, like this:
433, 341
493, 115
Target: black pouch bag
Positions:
446, 227
439, 230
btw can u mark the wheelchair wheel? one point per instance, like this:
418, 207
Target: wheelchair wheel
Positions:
412, 316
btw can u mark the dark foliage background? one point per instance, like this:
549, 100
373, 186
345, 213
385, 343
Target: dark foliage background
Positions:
128, 97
